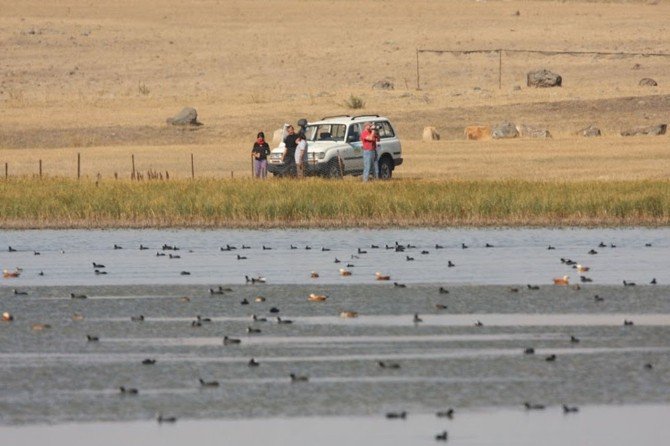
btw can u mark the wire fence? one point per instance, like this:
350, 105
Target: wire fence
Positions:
497, 58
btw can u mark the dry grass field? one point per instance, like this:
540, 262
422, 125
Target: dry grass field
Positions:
100, 78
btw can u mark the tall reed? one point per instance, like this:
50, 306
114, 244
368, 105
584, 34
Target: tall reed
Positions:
63, 203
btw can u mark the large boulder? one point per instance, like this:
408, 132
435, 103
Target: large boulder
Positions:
589, 131
430, 134
647, 82
529, 131
477, 132
505, 130
652, 130
188, 116
543, 79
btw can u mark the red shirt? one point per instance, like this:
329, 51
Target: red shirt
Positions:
369, 145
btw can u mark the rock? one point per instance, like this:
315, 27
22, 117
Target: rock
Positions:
543, 79
188, 116
505, 130
652, 130
383, 84
647, 82
589, 131
529, 131
430, 134
478, 132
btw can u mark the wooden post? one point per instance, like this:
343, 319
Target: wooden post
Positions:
78, 165
6, 171
40, 168
418, 84
500, 69
231, 174
192, 167
132, 159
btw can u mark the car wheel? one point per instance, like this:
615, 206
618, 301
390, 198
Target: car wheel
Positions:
333, 170
385, 168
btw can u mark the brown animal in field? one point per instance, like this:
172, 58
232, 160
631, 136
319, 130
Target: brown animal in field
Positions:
430, 134
478, 132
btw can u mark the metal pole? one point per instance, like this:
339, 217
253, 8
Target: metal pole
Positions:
500, 69
418, 85
192, 167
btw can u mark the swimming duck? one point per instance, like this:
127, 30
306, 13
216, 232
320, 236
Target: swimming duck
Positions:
569, 409
244, 301
77, 317
253, 280
298, 378
7, 316
239, 257
449, 413
438, 246
345, 272
324, 249
450, 264
348, 314
648, 366
252, 330
266, 248
11, 249
464, 246
10, 274
259, 299
396, 415
529, 351
218, 291
551, 247
185, 273
283, 321
118, 246
362, 251
416, 318
602, 245
204, 383
442, 436
574, 339
98, 265
128, 390
585, 279
196, 324
274, 310
581, 268
628, 283
163, 419
185, 299
160, 254
533, 287
440, 306
253, 363
550, 358
317, 297
409, 259
307, 247
148, 361
653, 281
91, 338
20, 293
379, 276
597, 298
388, 365
174, 256
142, 247
314, 275
479, 324
514, 290
374, 246
530, 406
294, 247
443, 290
203, 319
138, 318
561, 281
337, 260
627, 322
246, 247
399, 285
40, 327
231, 341
593, 252
350, 265
258, 319
99, 272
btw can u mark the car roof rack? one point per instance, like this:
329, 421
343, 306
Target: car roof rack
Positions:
334, 116
365, 116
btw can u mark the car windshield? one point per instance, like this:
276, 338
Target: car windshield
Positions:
325, 132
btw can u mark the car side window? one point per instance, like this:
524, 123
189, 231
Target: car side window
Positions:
385, 130
354, 133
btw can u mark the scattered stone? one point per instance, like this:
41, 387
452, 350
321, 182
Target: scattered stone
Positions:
590, 131
647, 82
188, 116
430, 134
478, 132
505, 130
652, 130
528, 131
383, 84
637, 66
543, 79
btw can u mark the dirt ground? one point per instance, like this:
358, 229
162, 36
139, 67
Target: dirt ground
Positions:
100, 79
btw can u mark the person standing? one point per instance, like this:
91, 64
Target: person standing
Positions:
369, 138
300, 154
259, 153
289, 153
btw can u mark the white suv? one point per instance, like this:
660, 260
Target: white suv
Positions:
334, 147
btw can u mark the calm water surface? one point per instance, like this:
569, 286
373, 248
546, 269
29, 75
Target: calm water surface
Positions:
446, 360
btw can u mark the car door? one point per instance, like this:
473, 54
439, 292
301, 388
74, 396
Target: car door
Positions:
388, 142
353, 159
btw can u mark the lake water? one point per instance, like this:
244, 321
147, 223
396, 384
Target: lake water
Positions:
56, 377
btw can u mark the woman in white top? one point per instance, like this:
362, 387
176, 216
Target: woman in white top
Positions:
300, 154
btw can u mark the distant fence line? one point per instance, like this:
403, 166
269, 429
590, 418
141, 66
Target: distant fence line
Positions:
151, 174
500, 52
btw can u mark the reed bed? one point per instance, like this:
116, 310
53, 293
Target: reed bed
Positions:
238, 203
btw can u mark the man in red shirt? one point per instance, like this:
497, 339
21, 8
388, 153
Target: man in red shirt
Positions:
369, 138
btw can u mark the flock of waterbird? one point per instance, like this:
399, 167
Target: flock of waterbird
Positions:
347, 270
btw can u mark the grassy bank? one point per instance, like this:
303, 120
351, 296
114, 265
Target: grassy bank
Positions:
65, 203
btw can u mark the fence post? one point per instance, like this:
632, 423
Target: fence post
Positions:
500, 69
192, 168
418, 85
40, 168
6, 171
132, 174
78, 165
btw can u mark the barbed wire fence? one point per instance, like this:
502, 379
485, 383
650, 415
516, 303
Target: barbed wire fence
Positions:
508, 52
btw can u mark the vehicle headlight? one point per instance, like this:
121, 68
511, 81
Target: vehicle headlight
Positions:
321, 155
